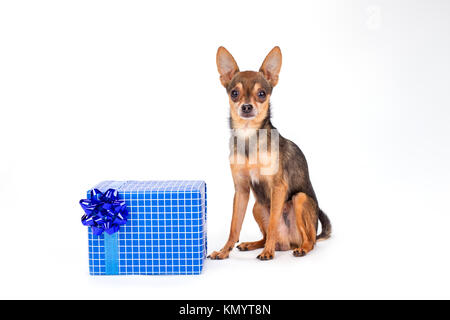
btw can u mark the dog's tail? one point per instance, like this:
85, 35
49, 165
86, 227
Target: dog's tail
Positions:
326, 226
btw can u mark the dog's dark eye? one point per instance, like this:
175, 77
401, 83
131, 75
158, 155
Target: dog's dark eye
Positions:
262, 94
234, 94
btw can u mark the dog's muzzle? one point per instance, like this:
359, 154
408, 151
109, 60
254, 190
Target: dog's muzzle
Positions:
247, 111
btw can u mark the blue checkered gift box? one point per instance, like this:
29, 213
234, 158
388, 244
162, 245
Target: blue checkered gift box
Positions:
165, 232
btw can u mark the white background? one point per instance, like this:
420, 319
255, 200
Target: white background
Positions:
97, 90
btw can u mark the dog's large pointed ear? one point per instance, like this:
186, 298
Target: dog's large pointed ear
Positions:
271, 66
226, 66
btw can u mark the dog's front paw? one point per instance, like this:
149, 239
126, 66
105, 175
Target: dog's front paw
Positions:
266, 255
219, 255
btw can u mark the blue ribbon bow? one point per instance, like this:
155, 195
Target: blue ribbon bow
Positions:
104, 211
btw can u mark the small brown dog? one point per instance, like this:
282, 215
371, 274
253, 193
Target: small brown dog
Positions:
286, 207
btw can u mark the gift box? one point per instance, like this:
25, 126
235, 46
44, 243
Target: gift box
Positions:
164, 232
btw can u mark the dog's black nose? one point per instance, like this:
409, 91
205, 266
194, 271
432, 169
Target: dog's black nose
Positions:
247, 108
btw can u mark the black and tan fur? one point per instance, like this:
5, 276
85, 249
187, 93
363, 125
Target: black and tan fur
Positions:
286, 207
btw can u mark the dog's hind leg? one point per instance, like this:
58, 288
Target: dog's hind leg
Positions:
248, 246
261, 215
306, 213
